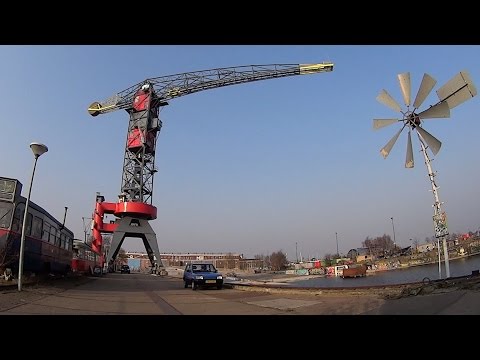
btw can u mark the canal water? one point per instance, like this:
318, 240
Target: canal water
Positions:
458, 267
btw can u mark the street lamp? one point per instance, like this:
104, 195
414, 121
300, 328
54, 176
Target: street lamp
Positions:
394, 242
37, 149
296, 252
336, 239
85, 227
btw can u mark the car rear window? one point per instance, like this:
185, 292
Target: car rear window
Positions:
203, 268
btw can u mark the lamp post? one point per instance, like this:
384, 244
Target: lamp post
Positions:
394, 241
336, 239
37, 149
85, 227
296, 253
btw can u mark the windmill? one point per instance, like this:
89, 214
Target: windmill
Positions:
456, 91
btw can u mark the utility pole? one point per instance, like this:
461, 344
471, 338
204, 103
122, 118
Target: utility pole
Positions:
85, 227
394, 242
296, 252
336, 239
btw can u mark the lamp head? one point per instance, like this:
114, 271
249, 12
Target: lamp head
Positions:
38, 149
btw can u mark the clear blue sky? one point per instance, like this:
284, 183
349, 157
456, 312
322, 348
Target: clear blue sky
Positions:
251, 168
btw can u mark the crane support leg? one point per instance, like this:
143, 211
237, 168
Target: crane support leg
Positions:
134, 227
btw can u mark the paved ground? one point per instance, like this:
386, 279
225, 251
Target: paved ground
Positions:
125, 294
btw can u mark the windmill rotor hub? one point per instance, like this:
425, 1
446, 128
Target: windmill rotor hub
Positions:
412, 119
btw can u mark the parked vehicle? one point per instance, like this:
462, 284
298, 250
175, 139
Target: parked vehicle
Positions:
48, 243
85, 260
353, 271
202, 274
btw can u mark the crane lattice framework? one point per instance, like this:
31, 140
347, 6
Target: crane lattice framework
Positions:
142, 101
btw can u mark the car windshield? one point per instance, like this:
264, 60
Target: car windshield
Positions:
203, 268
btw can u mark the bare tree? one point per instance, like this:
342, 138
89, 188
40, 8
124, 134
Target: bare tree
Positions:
416, 242
379, 245
263, 258
267, 261
278, 260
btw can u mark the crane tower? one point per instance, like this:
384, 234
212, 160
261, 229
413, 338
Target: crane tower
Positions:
142, 101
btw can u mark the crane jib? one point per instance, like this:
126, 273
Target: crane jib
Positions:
173, 86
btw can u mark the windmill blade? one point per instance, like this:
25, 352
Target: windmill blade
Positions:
433, 143
457, 90
409, 158
387, 148
380, 123
426, 87
404, 80
385, 98
440, 110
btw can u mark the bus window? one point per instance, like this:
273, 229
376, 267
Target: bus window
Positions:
18, 218
37, 227
53, 232
5, 214
28, 225
46, 231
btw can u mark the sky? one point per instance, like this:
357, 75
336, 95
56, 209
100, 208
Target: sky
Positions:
288, 164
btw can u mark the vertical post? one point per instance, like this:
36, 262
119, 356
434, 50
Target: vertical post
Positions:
336, 239
439, 260
64, 217
22, 240
296, 252
394, 240
37, 149
439, 217
445, 257
84, 230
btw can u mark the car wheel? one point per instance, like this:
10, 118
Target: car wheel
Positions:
219, 287
194, 286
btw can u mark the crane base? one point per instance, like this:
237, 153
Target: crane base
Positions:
129, 226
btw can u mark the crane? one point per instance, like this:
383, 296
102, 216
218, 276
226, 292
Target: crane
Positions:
142, 101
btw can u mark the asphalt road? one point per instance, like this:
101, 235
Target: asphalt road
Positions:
132, 294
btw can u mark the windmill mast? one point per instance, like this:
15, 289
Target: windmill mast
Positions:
439, 216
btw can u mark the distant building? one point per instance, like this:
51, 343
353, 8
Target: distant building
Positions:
426, 247
219, 260
354, 253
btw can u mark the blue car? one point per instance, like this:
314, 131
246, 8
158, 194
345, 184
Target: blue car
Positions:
202, 274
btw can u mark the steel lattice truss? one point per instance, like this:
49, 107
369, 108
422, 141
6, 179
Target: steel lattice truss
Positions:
137, 177
173, 86
139, 162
